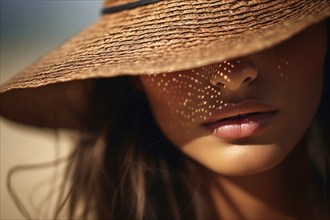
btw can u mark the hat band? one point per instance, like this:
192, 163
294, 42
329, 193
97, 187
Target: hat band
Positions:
128, 6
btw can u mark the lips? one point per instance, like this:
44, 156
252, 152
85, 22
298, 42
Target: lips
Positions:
244, 119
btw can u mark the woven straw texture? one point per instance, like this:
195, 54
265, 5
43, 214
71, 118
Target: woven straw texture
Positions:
166, 36
171, 35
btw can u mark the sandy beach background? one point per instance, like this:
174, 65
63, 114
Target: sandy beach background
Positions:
29, 29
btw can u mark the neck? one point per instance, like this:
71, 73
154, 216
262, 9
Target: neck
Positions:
284, 192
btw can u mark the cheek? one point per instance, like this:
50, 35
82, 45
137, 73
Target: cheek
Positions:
304, 91
305, 87
180, 101
305, 81
294, 82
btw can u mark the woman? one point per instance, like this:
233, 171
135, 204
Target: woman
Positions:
217, 124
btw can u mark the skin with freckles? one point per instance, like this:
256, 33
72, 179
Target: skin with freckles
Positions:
287, 77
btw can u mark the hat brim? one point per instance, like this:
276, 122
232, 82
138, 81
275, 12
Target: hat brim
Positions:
163, 37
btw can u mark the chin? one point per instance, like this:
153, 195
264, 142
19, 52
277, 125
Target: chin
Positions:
244, 160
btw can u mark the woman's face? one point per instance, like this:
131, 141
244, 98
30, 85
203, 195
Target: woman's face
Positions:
242, 116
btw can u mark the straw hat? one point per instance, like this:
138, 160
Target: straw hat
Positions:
149, 37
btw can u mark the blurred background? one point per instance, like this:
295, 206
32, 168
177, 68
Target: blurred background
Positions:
30, 28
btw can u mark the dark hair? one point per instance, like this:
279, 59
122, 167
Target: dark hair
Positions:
124, 168
323, 120
324, 108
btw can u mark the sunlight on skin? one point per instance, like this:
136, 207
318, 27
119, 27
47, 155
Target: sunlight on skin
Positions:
287, 77
193, 95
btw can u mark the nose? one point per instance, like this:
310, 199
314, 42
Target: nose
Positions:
233, 74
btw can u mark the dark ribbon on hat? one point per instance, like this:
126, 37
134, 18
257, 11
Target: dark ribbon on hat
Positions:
128, 6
